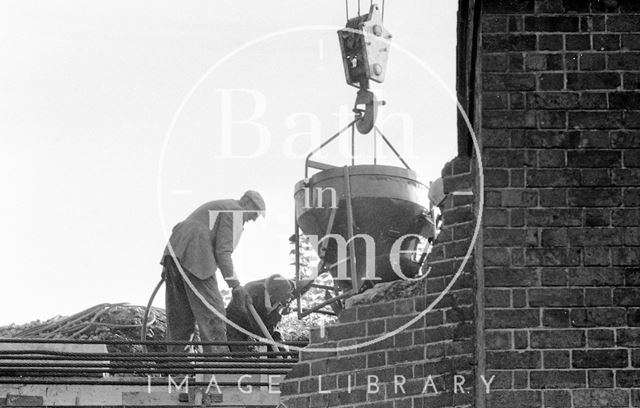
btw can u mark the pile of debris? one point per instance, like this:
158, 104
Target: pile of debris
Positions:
123, 322
106, 321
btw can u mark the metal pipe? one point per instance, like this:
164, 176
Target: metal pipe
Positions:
106, 382
292, 357
353, 144
297, 255
327, 302
322, 250
326, 142
265, 331
393, 149
4, 353
375, 147
324, 312
107, 365
194, 370
352, 249
147, 342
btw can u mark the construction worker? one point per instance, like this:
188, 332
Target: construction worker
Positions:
201, 244
270, 297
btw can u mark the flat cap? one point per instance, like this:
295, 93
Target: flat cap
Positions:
256, 199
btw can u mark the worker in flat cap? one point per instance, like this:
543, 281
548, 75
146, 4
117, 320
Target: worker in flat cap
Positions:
200, 245
270, 297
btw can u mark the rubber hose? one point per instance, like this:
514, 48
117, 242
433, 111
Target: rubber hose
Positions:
143, 329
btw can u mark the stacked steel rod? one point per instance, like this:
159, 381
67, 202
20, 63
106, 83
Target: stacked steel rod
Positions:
42, 366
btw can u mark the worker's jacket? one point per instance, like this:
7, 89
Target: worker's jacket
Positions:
203, 243
239, 315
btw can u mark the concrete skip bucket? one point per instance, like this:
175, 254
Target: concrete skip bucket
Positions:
379, 217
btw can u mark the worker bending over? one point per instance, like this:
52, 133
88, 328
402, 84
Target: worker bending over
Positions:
201, 244
270, 297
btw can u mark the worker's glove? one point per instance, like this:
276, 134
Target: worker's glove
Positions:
240, 293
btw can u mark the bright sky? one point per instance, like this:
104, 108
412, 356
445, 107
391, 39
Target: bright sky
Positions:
93, 180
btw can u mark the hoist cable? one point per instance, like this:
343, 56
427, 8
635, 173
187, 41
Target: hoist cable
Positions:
346, 7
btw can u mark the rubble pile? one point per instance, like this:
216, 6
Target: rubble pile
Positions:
123, 322
106, 321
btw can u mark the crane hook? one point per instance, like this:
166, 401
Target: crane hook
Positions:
366, 110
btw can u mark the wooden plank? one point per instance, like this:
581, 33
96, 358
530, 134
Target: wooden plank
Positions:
116, 395
72, 395
230, 397
14, 400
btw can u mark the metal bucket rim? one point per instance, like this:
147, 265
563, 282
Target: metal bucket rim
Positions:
360, 170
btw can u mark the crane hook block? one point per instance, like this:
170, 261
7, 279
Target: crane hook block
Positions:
365, 48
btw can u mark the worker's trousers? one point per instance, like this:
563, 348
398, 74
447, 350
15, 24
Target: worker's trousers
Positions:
184, 309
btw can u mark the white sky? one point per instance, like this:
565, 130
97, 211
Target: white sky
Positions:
88, 91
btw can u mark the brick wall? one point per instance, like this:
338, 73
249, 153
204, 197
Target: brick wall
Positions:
561, 136
440, 344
